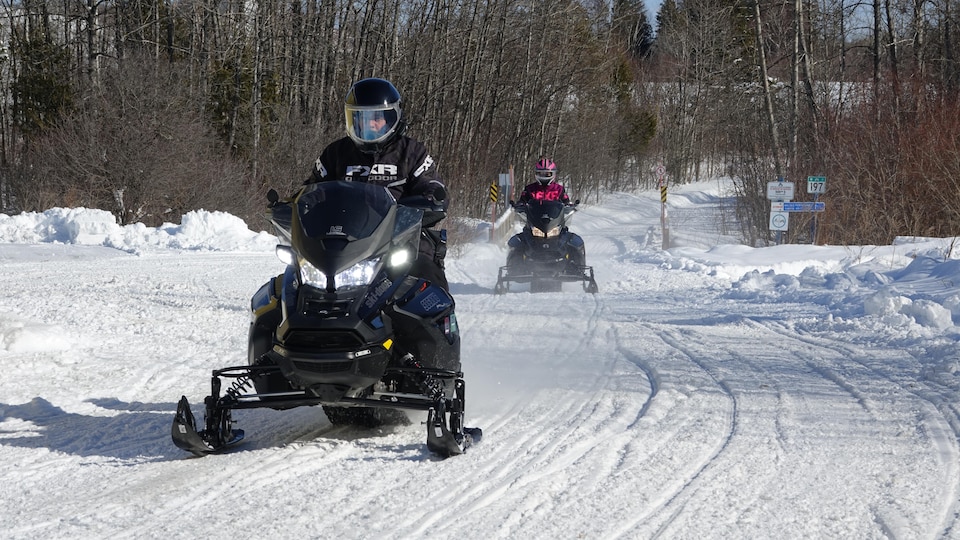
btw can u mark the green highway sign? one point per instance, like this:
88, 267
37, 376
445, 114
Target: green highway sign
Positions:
816, 184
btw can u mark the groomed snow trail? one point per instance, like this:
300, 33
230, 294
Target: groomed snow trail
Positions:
664, 406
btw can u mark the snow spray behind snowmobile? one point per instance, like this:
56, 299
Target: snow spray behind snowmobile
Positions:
545, 253
345, 326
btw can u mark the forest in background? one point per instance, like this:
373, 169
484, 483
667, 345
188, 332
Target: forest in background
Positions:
153, 108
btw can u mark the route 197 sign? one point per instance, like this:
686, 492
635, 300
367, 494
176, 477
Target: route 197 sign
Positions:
816, 184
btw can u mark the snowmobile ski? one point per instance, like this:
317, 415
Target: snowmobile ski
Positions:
186, 437
547, 281
450, 439
446, 435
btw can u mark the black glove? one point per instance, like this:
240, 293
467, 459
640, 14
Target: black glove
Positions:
273, 198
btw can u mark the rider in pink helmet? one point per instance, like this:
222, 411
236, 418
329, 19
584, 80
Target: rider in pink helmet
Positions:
546, 187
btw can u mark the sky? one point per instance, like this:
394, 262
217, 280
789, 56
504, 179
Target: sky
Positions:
709, 390
653, 6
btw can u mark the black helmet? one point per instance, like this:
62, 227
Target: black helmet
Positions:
372, 110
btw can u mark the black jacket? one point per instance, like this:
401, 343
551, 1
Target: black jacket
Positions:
404, 166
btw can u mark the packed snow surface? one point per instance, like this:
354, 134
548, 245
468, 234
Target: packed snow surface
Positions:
710, 390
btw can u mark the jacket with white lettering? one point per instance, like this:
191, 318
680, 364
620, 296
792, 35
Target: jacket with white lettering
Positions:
404, 166
550, 192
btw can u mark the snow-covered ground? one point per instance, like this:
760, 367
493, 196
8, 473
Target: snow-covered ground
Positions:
708, 391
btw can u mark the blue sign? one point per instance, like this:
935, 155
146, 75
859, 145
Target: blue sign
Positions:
804, 206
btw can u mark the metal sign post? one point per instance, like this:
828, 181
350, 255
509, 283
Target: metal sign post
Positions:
815, 185
664, 225
500, 193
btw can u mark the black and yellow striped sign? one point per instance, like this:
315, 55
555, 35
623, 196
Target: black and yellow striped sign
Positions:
494, 192
663, 194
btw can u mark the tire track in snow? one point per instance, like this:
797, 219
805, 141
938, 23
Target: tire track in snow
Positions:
799, 393
669, 504
936, 398
579, 438
247, 473
548, 447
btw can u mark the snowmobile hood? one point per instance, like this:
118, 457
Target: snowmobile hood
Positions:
546, 215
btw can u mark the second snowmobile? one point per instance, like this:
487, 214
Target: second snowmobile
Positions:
545, 253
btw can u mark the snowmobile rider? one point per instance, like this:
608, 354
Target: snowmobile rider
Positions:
546, 187
375, 150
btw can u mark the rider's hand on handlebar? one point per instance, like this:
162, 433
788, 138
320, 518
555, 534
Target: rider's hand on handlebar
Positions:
438, 194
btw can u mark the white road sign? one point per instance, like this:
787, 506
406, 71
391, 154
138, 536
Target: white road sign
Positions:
779, 221
780, 191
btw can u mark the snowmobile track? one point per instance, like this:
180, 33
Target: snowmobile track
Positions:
860, 356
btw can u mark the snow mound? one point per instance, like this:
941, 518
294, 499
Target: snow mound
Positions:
199, 230
20, 337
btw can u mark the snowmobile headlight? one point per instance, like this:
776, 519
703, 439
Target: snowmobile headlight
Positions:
357, 275
550, 234
285, 254
398, 258
311, 275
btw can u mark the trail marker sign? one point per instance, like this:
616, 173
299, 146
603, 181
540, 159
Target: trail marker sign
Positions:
780, 191
779, 221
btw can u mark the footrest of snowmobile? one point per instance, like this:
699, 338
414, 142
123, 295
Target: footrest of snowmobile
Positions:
186, 437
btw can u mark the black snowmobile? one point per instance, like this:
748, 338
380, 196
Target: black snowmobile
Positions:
345, 326
545, 253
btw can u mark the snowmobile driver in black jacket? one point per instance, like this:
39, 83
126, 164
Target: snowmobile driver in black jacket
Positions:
375, 150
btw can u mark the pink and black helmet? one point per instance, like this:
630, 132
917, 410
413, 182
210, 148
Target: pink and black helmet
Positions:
545, 171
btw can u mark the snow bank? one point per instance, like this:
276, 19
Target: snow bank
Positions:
199, 230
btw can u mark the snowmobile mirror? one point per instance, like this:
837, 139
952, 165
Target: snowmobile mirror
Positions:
576, 202
273, 197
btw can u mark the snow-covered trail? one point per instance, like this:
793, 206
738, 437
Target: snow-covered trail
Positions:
709, 416
668, 405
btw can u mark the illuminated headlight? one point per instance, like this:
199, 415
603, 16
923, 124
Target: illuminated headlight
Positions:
357, 275
550, 234
399, 258
285, 254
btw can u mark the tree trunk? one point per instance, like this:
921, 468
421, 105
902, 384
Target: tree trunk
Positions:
767, 92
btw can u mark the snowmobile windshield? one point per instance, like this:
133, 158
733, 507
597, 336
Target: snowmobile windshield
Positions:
353, 210
407, 219
281, 215
545, 215
339, 224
